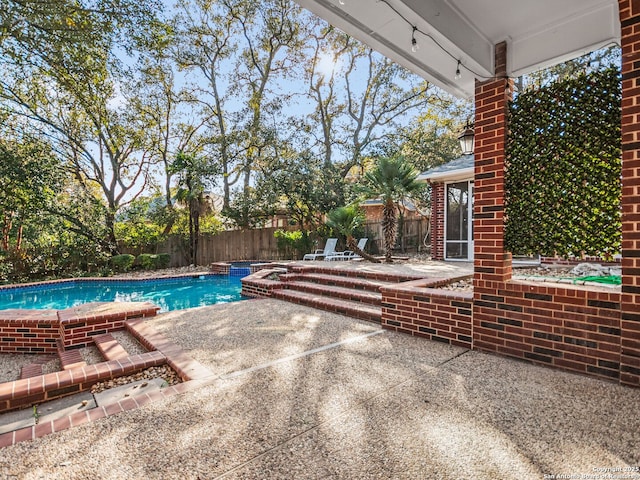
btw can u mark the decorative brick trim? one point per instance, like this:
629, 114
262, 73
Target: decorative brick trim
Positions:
79, 325
257, 285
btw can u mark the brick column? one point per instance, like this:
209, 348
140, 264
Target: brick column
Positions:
437, 220
491, 262
630, 304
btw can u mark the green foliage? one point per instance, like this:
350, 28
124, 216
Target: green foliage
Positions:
300, 185
563, 168
293, 244
122, 263
139, 236
346, 221
391, 179
153, 261
431, 139
164, 260
149, 261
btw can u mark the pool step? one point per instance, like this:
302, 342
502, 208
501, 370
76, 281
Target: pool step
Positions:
109, 347
330, 304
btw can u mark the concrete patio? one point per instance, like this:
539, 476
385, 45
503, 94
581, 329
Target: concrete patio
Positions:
300, 393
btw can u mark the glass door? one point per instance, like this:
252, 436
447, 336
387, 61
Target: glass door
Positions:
459, 221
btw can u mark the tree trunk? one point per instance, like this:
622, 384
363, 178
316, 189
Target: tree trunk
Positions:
389, 229
353, 246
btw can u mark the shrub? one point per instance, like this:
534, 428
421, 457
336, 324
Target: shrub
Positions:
153, 262
122, 263
163, 260
144, 260
293, 243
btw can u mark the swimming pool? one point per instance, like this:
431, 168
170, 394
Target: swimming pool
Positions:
169, 294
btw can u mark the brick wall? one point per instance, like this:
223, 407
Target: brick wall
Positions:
79, 325
630, 302
257, 285
38, 331
419, 310
35, 331
572, 327
583, 329
437, 220
221, 268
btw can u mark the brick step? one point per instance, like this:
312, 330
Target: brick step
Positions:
71, 359
109, 347
322, 302
342, 281
363, 296
30, 370
387, 277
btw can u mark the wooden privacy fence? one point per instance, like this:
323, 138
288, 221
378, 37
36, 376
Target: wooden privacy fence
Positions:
411, 236
231, 245
260, 244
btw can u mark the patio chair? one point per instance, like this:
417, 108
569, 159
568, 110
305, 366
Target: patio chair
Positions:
347, 254
329, 248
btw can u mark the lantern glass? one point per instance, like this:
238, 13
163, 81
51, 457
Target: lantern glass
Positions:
466, 139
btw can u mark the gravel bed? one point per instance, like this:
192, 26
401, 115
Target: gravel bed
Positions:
164, 371
11, 364
128, 342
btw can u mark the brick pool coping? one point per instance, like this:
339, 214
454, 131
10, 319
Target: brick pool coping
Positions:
26, 392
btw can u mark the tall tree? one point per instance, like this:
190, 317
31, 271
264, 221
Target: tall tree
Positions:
241, 49
61, 76
167, 108
360, 97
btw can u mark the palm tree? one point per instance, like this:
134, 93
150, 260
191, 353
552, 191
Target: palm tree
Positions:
345, 221
392, 180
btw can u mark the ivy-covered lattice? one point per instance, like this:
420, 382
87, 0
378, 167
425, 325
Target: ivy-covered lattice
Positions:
563, 168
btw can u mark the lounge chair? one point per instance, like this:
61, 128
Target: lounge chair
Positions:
347, 254
329, 249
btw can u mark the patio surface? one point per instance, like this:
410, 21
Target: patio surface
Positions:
301, 393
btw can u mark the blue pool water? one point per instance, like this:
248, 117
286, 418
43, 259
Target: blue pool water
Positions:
168, 294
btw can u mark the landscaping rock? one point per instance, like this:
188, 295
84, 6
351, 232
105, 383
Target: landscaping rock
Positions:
595, 270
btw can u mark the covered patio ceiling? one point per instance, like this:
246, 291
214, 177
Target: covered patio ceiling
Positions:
459, 35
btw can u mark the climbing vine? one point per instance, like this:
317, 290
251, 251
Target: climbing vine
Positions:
563, 168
